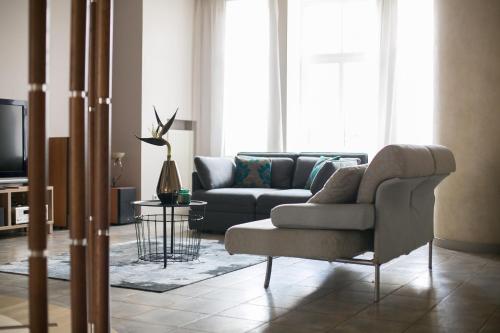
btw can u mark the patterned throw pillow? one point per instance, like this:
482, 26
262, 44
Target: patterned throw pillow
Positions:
252, 172
319, 164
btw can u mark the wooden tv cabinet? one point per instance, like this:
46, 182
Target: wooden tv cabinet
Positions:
10, 197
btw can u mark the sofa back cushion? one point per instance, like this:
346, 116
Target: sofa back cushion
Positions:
341, 187
215, 172
395, 161
281, 172
303, 168
252, 172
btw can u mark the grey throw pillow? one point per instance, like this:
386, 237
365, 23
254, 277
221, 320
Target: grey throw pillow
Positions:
342, 187
215, 172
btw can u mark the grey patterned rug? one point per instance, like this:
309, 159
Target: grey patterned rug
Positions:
127, 271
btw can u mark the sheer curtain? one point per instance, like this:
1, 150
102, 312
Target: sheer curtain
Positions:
360, 74
406, 71
253, 112
208, 75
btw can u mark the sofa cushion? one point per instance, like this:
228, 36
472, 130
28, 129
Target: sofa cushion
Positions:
303, 168
281, 172
215, 172
395, 161
342, 187
317, 167
232, 199
266, 201
324, 216
263, 238
252, 172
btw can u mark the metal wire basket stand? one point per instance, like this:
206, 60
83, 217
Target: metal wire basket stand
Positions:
179, 230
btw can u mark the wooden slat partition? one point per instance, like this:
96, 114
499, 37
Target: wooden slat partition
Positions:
37, 234
92, 102
77, 167
101, 171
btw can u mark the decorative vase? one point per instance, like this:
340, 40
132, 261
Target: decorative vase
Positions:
169, 183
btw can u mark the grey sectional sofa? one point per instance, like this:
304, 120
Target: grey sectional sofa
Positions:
228, 205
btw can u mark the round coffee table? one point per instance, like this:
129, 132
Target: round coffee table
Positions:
183, 242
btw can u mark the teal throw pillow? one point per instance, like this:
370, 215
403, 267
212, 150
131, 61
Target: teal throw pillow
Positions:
252, 172
317, 167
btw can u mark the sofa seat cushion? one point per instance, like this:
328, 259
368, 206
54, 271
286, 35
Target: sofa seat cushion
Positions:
232, 199
263, 238
267, 201
324, 216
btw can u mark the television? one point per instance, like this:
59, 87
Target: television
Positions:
13, 141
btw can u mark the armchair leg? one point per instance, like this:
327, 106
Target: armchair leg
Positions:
430, 255
377, 283
268, 271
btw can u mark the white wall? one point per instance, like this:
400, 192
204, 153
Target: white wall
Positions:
14, 52
166, 81
127, 88
58, 68
14, 59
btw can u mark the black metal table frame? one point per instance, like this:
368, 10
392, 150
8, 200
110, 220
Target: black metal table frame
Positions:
172, 222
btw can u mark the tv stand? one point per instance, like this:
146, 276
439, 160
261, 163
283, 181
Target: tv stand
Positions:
12, 196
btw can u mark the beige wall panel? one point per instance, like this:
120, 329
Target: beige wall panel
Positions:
468, 122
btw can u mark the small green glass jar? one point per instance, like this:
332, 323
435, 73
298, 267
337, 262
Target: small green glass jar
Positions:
184, 197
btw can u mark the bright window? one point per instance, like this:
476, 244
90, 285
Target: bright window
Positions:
331, 74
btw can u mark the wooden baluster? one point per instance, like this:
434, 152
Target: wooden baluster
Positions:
77, 166
37, 231
102, 171
92, 101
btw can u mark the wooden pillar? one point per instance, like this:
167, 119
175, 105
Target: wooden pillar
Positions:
102, 160
37, 231
92, 102
77, 166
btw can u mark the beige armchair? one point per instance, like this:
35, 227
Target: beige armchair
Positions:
393, 215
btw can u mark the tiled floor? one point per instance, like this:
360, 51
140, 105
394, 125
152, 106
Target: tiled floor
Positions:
461, 294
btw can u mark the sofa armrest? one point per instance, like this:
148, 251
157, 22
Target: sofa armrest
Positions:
195, 182
324, 216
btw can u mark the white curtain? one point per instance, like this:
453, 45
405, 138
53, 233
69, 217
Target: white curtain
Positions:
208, 75
254, 71
406, 76
388, 23
276, 125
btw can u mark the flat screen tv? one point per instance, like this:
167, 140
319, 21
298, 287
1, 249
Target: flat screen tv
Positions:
13, 141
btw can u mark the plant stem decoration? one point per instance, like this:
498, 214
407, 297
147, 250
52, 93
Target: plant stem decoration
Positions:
158, 133
169, 183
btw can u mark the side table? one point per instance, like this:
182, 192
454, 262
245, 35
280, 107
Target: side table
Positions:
180, 243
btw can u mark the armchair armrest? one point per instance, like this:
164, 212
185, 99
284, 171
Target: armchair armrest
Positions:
324, 216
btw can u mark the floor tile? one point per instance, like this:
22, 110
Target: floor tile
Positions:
220, 324
361, 325
309, 320
387, 312
168, 317
254, 312
452, 321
